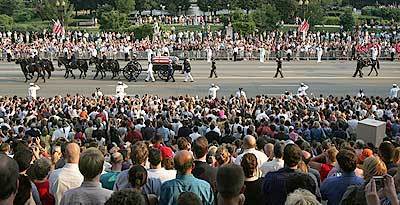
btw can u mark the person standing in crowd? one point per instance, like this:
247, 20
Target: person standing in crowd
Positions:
393, 91
90, 192
120, 91
185, 182
333, 188
32, 91
278, 67
98, 94
253, 192
202, 170
249, 146
68, 177
108, 179
230, 185
374, 60
156, 170
274, 186
150, 72
360, 93
301, 91
187, 68
213, 71
209, 54
212, 92
277, 162
170, 72
9, 173
41, 169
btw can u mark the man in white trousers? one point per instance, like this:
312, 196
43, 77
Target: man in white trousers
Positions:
187, 68
212, 92
262, 54
301, 92
120, 91
319, 53
150, 73
393, 91
32, 91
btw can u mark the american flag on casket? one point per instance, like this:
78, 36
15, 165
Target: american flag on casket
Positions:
164, 60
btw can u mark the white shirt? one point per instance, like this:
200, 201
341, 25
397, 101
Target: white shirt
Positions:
162, 174
120, 90
32, 91
393, 92
213, 92
64, 179
271, 166
194, 136
261, 157
374, 53
302, 90
58, 133
240, 94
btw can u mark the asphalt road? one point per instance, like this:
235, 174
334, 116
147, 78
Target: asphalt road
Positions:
329, 77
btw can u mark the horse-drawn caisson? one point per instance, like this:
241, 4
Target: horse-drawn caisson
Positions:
161, 63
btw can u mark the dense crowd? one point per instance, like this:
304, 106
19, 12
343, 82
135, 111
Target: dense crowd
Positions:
190, 150
223, 44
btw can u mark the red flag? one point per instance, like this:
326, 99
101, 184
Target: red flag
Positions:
58, 29
304, 26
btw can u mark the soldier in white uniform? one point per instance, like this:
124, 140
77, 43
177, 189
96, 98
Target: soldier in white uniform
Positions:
374, 60
393, 91
262, 54
319, 53
98, 94
212, 92
32, 91
150, 72
302, 90
120, 91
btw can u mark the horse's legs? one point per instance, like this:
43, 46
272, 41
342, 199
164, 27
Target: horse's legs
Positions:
49, 73
97, 73
72, 74
80, 70
44, 76
38, 76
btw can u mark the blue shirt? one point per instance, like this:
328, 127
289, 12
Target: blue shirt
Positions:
108, 179
171, 189
164, 132
333, 188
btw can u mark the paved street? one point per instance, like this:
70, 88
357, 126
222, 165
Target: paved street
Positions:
332, 77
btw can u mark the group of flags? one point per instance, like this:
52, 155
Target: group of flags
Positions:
58, 28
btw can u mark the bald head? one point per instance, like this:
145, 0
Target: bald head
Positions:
269, 150
249, 142
72, 152
183, 162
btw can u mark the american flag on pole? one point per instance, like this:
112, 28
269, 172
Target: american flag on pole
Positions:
304, 26
58, 28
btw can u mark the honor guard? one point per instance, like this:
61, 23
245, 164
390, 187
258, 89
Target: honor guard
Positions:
374, 60
212, 92
393, 91
278, 67
360, 65
301, 91
187, 68
32, 91
120, 91
170, 72
213, 69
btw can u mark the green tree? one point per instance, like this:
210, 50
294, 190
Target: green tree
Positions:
265, 18
347, 20
286, 8
173, 5
125, 6
8, 7
144, 5
242, 23
113, 20
314, 13
6, 22
48, 10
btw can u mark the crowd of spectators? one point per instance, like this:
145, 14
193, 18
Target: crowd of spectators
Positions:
220, 44
189, 150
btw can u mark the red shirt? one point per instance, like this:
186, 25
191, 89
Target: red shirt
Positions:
45, 197
324, 171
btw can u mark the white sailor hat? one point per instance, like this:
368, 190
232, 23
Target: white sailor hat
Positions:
302, 84
119, 82
31, 84
212, 85
394, 85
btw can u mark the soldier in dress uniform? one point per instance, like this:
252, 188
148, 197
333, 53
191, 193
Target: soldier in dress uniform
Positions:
374, 61
213, 69
360, 65
278, 67
170, 72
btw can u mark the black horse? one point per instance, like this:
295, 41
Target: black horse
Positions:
24, 67
80, 64
47, 65
105, 65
